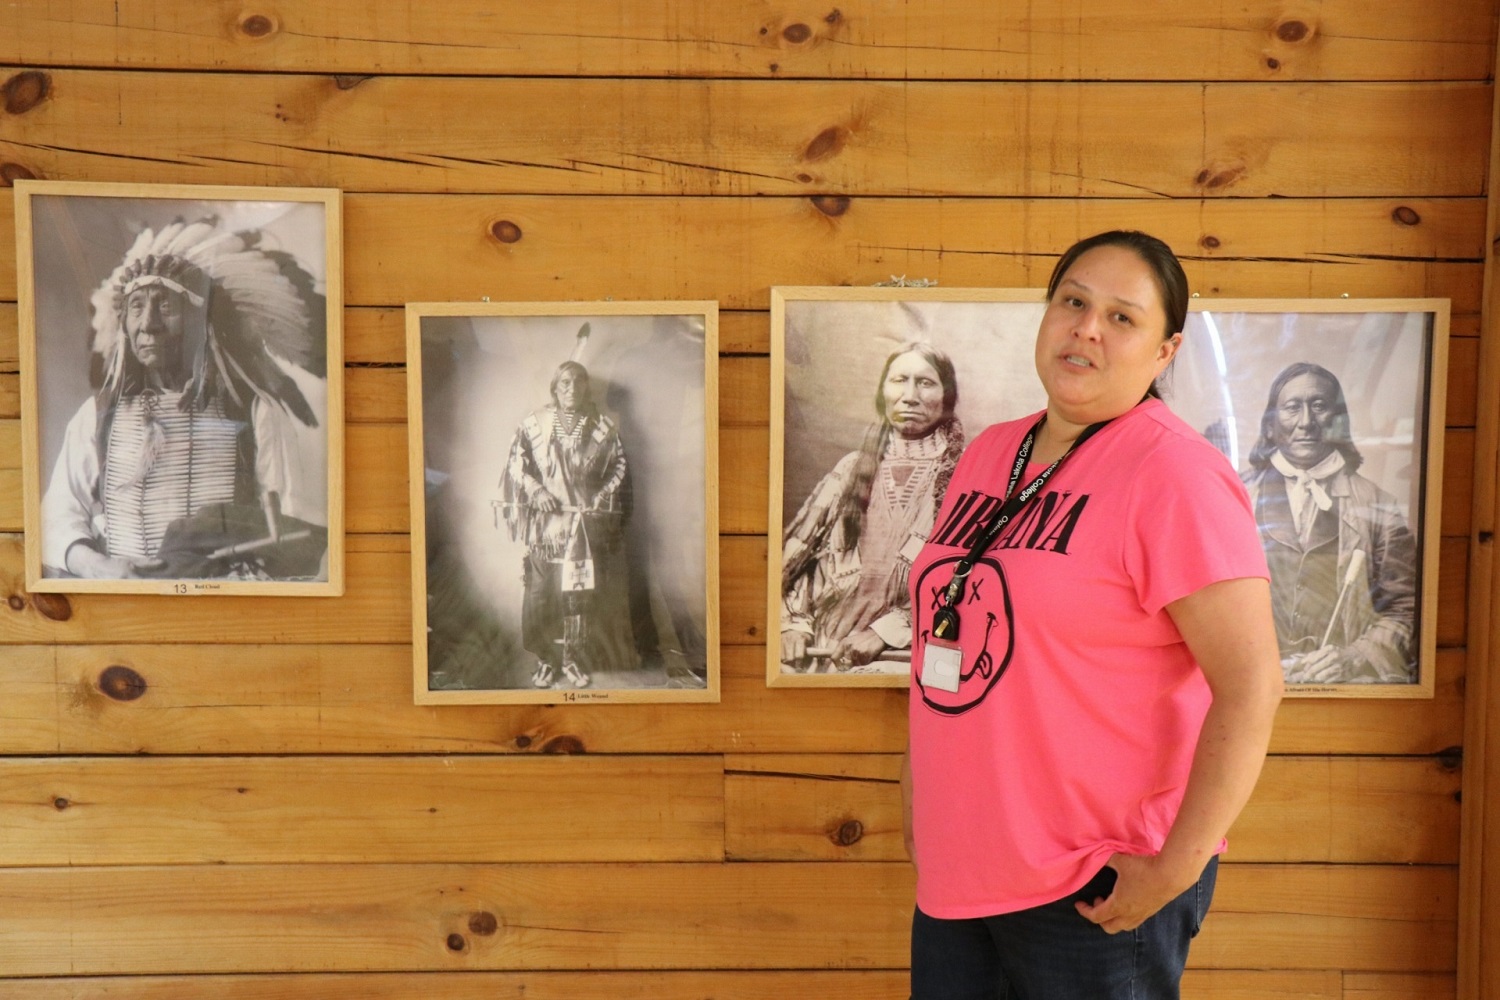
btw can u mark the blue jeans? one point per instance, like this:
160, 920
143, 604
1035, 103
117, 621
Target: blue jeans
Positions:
1051, 952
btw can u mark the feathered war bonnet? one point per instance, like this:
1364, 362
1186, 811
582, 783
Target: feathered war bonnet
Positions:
261, 307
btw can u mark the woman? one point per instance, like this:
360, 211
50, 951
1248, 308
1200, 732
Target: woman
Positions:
1081, 746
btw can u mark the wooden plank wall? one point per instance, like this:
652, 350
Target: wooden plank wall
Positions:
235, 797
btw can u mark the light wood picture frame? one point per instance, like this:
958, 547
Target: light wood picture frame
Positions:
1332, 410
564, 501
831, 353
182, 412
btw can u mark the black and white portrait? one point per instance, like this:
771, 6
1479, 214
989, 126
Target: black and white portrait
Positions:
181, 420
566, 531
875, 394
1328, 416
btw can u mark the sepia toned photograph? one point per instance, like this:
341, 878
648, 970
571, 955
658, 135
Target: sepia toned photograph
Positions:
1332, 411
563, 463
182, 402
874, 393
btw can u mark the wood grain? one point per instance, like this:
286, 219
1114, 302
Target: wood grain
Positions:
750, 137
206, 810
421, 248
376, 606
1397, 986
87, 811
346, 917
1197, 984
1342, 810
321, 699
960, 39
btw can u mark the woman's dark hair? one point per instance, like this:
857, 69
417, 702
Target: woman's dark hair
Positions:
1166, 270
1339, 433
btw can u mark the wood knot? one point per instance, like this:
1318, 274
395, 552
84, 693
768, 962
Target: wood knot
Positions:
831, 205
1450, 758
121, 683
848, 833
54, 607
523, 741
457, 942
564, 745
796, 33
1209, 243
482, 923
827, 143
804, 178
12, 172
834, 16
1292, 31
1272, 62
60, 803
1406, 216
348, 81
26, 90
505, 231
1220, 177
257, 25
16, 602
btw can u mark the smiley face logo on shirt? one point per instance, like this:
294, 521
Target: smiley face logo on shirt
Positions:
986, 631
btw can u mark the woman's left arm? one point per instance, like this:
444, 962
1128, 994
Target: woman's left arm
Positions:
1229, 630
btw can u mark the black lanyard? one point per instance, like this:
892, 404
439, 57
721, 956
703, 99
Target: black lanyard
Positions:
945, 619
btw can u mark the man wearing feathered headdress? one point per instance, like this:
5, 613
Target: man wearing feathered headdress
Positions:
194, 455
565, 493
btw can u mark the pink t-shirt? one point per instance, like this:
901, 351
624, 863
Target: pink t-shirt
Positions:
1073, 729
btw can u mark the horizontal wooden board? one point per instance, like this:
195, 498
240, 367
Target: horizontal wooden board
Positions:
376, 607
424, 248
325, 918
1197, 984
1396, 986
357, 699
290, 810
112, 811
749, 137
1366, 810
1067, 39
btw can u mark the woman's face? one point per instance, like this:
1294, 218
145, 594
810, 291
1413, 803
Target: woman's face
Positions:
1101, 342
913, 395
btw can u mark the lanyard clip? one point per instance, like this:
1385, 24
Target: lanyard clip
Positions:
956, 585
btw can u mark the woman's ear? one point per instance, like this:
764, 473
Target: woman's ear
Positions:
1168, 351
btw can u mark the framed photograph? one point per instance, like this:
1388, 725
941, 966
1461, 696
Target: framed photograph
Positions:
874, 392
1332, 411
181, 388
564, 503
